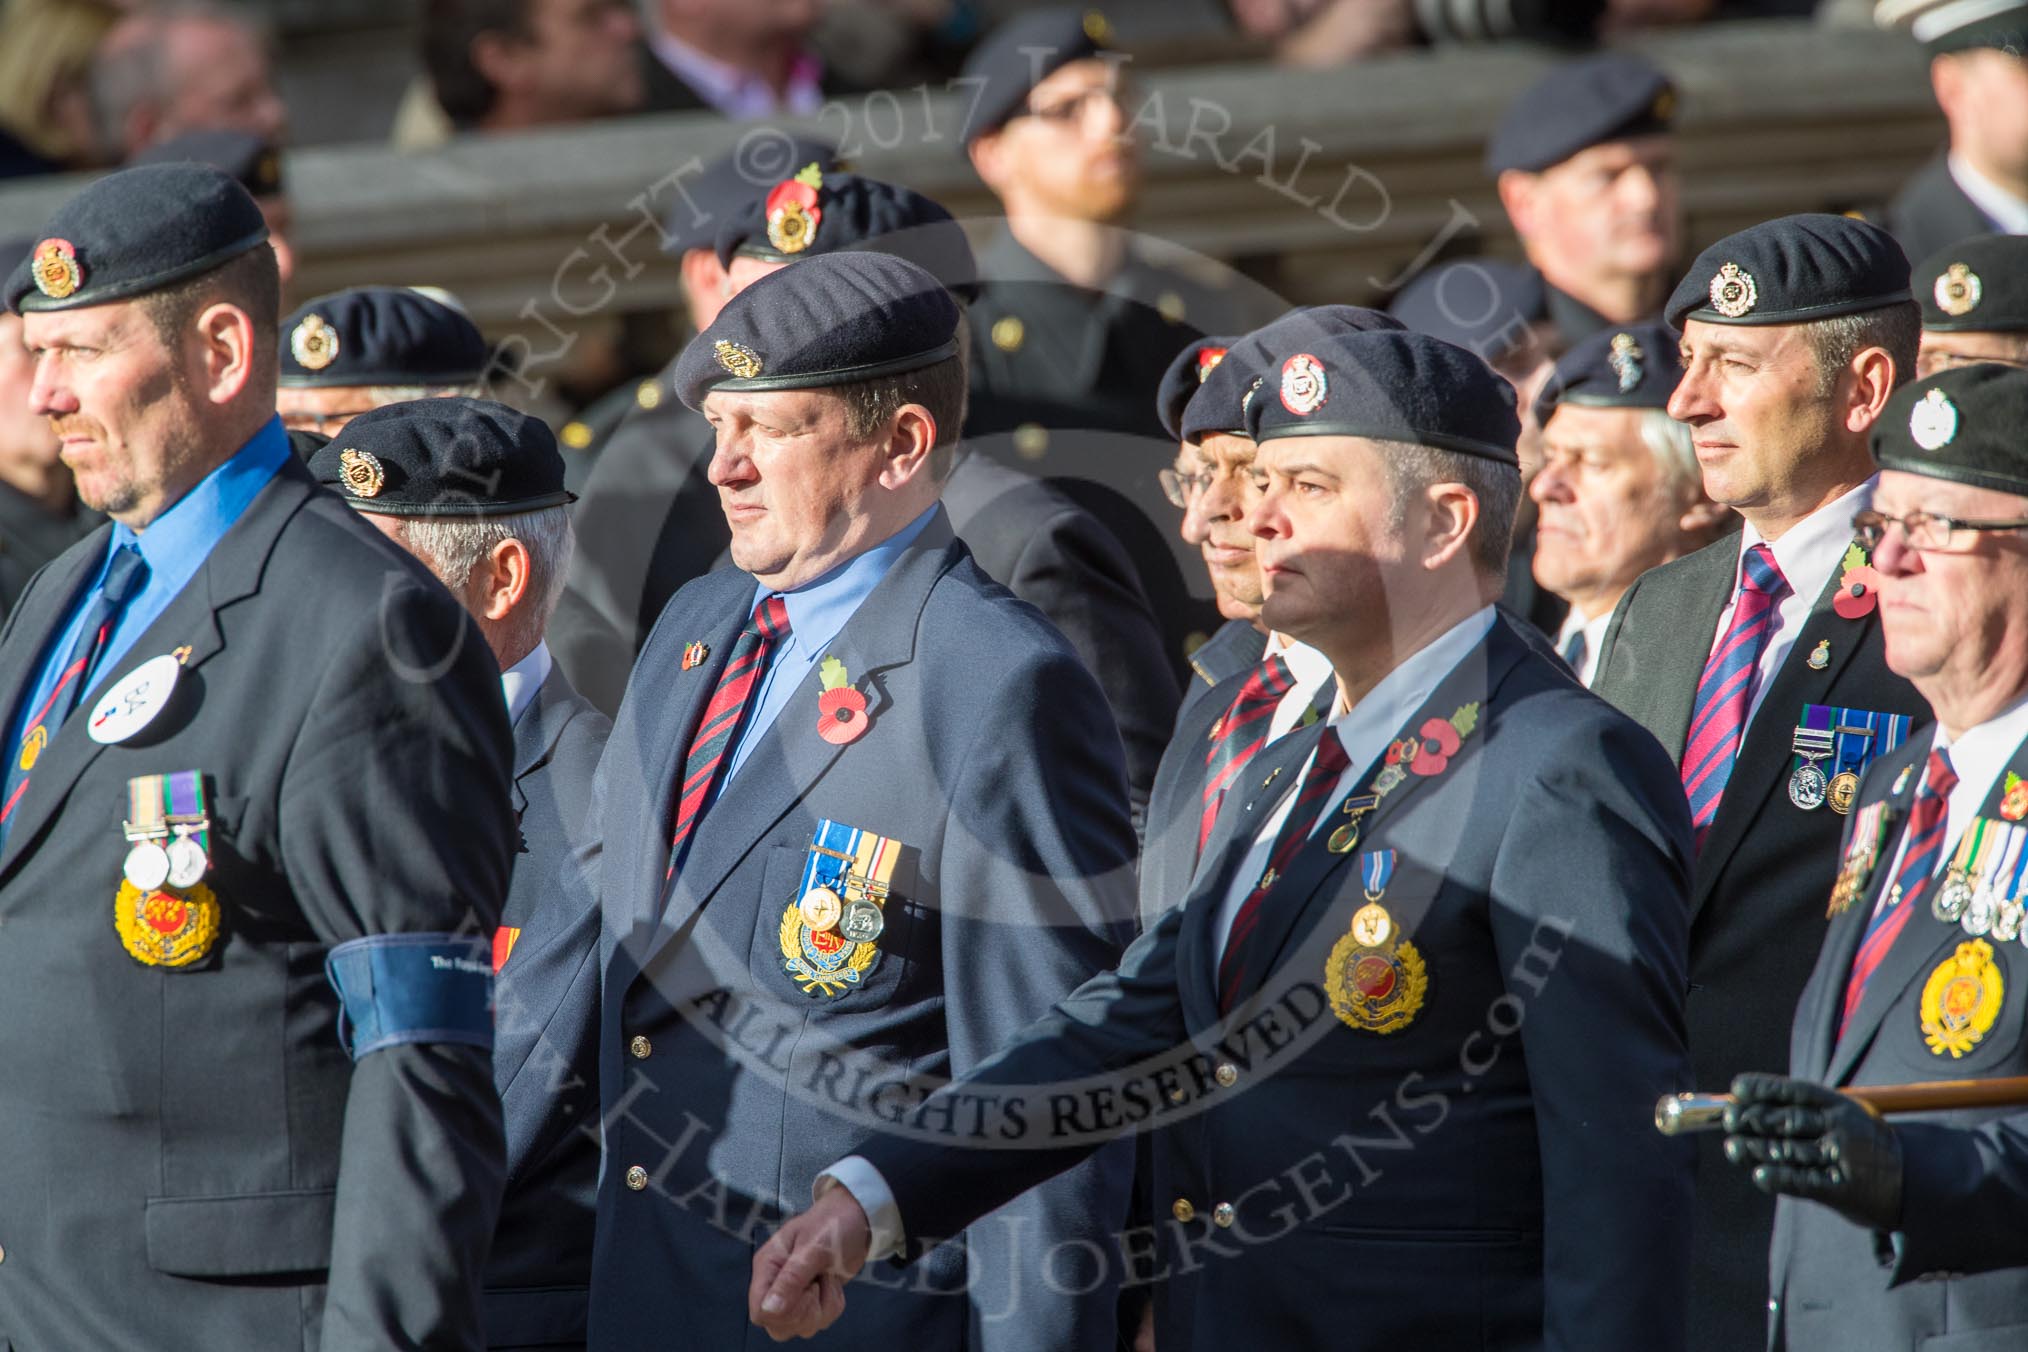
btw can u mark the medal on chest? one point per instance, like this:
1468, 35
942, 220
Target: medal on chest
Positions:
1375, 979
830, 931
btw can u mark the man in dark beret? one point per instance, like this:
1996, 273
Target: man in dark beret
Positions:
1906, 1236
863, 815
354, 350
1074, 323
475, 492
1979, 182
40, 515
1620, 491
256, 1053
1378, 955
1974, 297
1586, 168
1757, 660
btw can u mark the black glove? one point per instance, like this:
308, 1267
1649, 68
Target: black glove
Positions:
1811, 1142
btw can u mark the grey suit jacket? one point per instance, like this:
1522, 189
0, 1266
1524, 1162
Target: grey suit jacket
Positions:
991, 760
192, 1161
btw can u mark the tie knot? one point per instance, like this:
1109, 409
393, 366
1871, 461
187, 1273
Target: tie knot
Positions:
1332, 758
1760, 573
1942, 778
1276, 678
771, 619
125, 575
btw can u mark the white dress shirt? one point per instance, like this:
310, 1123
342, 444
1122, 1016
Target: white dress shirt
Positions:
1365, 733
1810, 553
2008, 213
1310, 670
1979, 757
520, 681
1594, 632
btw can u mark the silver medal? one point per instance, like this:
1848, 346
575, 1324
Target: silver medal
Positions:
2007, 920
1980, 914
1952, 898
1808, 787
188, 862
147, 866
862, 923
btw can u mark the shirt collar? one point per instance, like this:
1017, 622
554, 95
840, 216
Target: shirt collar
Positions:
737, 92
520, 681
819, 609
1998, 205
1979, 754
176, 543
1308, 667
1376, 718
1810, 551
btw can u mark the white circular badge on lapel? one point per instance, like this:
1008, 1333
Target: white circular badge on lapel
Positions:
133, 703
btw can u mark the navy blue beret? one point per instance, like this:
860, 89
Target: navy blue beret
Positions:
1963, 423
444, 457
379, 335
1978, 285
1638, 366
1190, 368
1961, 25
818, 213
1483, 304
1792, 270
1019, 55
251, 159
836, 319
1580, 104
1219, 405
1388, 386
136, 231
703, 204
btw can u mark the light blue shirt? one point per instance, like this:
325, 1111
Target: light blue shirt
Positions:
817, 612
175, 545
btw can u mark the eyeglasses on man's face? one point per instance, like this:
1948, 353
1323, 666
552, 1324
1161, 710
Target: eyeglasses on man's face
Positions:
1928, 531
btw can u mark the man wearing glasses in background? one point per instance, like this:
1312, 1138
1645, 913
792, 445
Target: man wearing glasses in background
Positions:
356, 350
1974, 298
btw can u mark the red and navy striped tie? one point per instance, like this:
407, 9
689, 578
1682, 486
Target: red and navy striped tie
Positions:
724, 716
1326, 768
1726, 690
1928, 820
1241, 733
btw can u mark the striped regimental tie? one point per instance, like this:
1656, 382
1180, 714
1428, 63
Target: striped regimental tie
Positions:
1241, 733
1928, 819
724, 716
1726, 690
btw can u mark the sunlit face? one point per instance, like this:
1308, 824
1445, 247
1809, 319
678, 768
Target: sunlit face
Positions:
1755, 399
1941, 351
1328, 542
1984, 96
1606, 511
1947, 616
1216, 522
798, 489
111, 391
1069, 152
1612, 210
24, 434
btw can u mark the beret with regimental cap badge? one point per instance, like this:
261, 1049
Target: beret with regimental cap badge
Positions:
133, 232
1978, 285
836, 319
450, 457
1387, 386
1792, 270
1190, 369
813, 213
1637, 366
1962, 424
700, 205
1577, 105
253, 160
1020, 54
380, 335
1220, 403
1945, 26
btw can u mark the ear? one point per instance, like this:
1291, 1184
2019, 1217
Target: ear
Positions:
988, 161
1517, 198
909, 443
703, 274
495, 58
1947, 83
226, 352
1873, 375
1447, 533
503, 580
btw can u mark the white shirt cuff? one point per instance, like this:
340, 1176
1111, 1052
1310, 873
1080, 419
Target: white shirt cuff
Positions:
869, 1189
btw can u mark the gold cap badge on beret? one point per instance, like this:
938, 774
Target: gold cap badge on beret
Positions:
793, 213
1933, 421
56, 271
314, 344
1625, 359
361, 473
737, 358
1732, 291
1958, 290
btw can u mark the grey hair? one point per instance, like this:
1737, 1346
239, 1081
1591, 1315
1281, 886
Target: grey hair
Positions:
1675, 453
1835, 341
383, 395
136, 71
452, 547
1413, 469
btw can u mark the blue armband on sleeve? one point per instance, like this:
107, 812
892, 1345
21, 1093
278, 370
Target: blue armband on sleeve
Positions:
396, 988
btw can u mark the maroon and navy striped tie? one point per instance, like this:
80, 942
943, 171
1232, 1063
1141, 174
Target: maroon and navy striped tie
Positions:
1928, 819
724, 716
1242, 732
1725, 691
1326, 768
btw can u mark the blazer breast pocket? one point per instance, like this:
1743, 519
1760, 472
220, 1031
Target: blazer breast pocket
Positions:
830, 935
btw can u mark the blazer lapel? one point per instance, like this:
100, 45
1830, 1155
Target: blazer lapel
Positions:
536, 733
1681, 656
230, 573
35, 624
1765, 750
